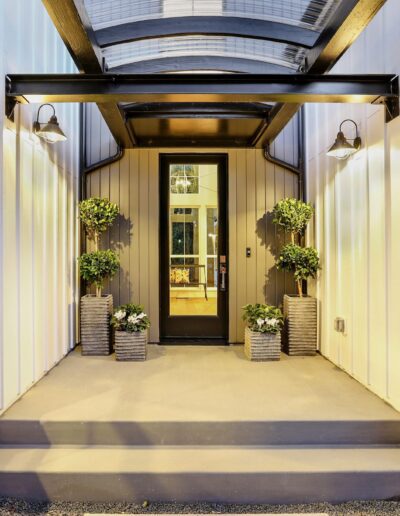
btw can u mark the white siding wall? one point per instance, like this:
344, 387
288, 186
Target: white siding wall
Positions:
38, 196
357, 223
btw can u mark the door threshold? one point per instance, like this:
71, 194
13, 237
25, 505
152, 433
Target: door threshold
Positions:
198, 341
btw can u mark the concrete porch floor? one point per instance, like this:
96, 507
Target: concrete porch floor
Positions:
199, 384
199, 424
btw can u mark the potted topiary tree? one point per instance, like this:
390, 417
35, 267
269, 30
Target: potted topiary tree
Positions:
97, 215
300, 312
130, 324
262, 338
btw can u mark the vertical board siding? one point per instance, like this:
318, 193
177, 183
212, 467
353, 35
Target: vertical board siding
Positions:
254, 186
38, 216
358, 221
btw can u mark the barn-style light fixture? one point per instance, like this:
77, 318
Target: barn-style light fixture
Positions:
342, 148
50, 131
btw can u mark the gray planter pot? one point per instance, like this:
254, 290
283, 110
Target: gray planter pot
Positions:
262, 346
300, 333
131, 346
95, 324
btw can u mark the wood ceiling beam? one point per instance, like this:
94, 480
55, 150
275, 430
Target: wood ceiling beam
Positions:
72, 23
344, 26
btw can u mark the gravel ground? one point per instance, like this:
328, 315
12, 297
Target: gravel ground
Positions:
12, 506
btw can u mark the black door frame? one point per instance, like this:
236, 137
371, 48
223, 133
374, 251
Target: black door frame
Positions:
203, 329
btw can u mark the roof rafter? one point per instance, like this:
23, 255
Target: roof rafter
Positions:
206, 25
73, 25
344, 26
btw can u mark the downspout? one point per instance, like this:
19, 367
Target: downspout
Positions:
299, 169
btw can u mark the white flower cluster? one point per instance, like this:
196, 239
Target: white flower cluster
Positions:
267, 321
120, 315
136, 318
133, 319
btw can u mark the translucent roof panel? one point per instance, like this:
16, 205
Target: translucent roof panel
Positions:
311, 14
260, 50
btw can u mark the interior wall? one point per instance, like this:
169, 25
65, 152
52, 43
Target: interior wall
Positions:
255, 185
357, 222
38, 229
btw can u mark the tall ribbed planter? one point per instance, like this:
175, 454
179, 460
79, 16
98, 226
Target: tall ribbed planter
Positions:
131, 346
300, 332
95, 324
262, 346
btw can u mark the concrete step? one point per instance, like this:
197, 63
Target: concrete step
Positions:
192, 433
190, 474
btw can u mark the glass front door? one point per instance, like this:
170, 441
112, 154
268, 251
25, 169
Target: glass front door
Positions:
193, 247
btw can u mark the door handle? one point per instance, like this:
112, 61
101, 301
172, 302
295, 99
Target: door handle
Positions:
222, 286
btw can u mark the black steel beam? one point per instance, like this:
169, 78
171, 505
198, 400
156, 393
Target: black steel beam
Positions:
207, 26
221, 110
345, 25
207, 63
194, 141
296, 88
72, 23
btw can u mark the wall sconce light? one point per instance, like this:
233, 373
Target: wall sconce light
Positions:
342, 148
50, 131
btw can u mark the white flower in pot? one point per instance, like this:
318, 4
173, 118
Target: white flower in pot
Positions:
119, 315
263, 332
130, 324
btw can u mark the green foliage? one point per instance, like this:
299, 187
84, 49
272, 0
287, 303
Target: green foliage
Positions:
302, 261
263, 318
130, 318
97, 266
292, 215
97, 215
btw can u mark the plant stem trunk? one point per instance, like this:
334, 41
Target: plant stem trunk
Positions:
96, 241
98, 291
299, 288
292, 237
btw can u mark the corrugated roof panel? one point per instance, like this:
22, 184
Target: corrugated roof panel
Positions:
311, 14
260, 50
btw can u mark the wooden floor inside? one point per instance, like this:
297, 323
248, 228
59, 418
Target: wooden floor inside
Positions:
193, 306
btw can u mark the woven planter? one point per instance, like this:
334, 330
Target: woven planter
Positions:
131, 346
95, 324
262, 346
300, 334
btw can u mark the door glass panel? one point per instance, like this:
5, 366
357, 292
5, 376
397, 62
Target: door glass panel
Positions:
193, 239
